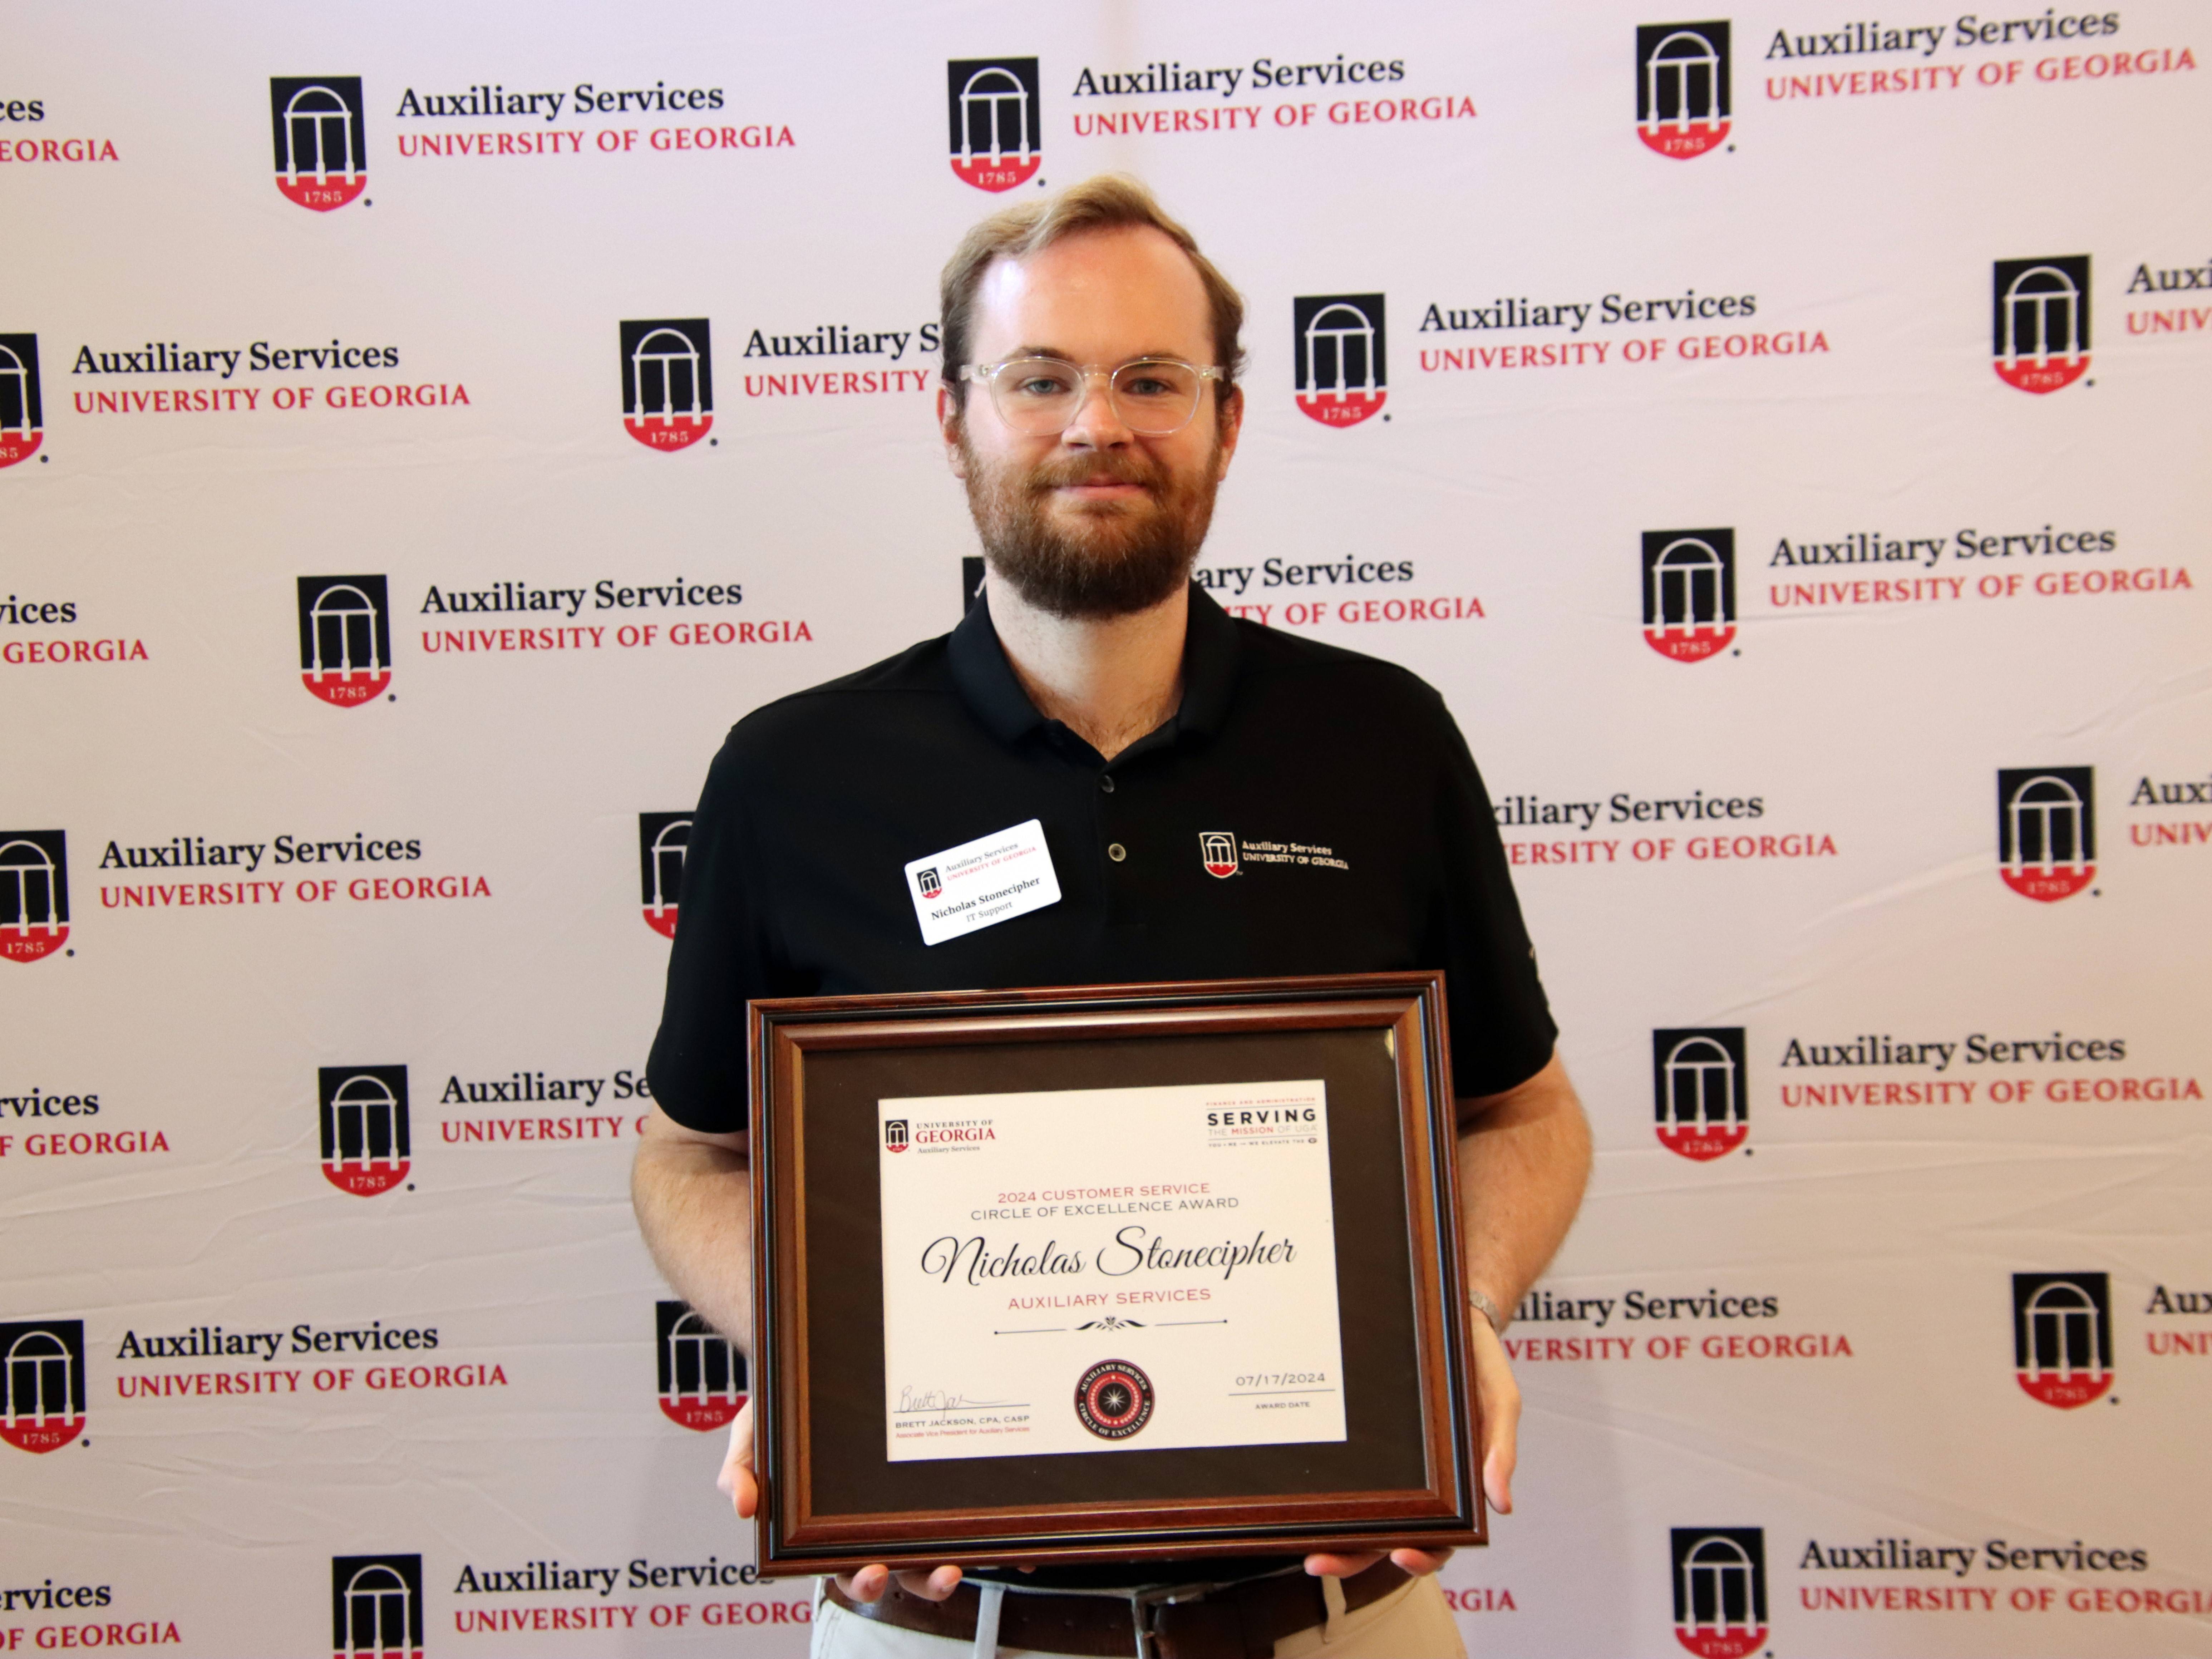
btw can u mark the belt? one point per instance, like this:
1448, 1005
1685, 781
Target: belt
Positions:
1242, 1620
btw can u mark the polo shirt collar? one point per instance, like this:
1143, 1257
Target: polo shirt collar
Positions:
985, 681
1210, 651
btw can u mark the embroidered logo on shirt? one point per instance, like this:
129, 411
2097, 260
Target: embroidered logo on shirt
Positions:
1222, 854
1217, 850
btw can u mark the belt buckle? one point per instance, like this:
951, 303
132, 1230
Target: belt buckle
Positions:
1145, 1602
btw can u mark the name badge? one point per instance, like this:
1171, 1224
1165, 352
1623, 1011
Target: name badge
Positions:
982, 883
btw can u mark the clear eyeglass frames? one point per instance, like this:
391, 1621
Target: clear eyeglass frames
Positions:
1040, 397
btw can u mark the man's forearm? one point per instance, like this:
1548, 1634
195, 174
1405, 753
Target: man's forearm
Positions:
1524, 1158
694, 1203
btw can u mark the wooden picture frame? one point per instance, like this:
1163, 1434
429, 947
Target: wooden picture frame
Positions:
1408, 1471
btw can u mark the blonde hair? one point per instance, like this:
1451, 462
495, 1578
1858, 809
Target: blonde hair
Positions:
1108, 202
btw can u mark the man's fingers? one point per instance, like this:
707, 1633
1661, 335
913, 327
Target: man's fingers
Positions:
871, 1581
740, 1448
932, 1586
1349, 1564
745, 1493
736, 1480
1500, 1396
1497, 1477
868, 1584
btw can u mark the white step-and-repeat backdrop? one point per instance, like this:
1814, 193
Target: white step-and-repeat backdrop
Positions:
1782, 436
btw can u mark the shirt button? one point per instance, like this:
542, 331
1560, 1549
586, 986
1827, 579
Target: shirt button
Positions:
1106, 783
1117, 851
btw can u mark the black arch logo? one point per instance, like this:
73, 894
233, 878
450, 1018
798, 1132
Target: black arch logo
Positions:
1720, 1590
668, 381
376, 1607
22, 402
664, 840
1698, 1097
703, 1377
2061, 1337
2040, 321
320, 131
345, 638
1689, 592
1340, 356
41, 1382
34, 898
1682, 87
996, 113
366, 1140
2047, 830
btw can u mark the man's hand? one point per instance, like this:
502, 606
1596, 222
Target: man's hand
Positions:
739, 1486
1499, 1396
1524, 1157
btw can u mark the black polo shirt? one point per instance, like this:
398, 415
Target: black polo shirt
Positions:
1359, 838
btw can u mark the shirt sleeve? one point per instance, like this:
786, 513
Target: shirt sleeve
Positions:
1502, 1031
723, 955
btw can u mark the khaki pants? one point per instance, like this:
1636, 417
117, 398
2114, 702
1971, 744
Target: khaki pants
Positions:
1412, 1624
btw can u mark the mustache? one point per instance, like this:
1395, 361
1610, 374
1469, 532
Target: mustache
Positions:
1094, 468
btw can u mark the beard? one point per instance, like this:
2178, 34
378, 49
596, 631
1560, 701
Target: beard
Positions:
1114, 558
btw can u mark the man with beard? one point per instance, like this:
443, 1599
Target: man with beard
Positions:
1090, 407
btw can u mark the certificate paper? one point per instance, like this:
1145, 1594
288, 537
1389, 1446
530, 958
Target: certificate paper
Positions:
1088, 1270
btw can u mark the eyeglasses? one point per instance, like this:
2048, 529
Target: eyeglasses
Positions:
1040, 397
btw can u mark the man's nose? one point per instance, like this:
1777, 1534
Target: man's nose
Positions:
1097, 424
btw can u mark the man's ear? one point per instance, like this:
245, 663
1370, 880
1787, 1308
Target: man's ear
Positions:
1232, 426
948, 428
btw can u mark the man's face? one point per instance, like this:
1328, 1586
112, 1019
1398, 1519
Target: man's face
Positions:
1096, 521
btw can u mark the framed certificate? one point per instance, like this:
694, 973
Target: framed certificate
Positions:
1108, 1272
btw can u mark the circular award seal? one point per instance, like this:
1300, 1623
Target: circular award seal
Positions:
1113, 1399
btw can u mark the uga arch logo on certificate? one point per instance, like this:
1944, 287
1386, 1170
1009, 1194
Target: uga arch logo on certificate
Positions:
1159, 1260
